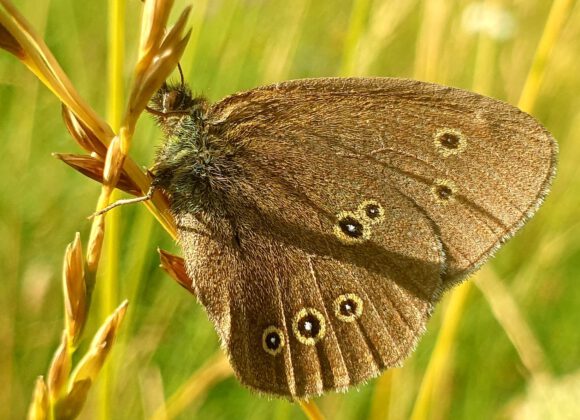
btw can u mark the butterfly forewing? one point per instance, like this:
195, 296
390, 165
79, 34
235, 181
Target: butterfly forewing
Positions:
476, 166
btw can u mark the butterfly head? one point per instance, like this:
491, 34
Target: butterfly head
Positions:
172, 105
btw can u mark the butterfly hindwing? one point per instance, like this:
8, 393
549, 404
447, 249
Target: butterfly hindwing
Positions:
280, 252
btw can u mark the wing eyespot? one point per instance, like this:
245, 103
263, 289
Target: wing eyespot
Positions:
348, 307
444, 191
350, 228
449, 141
309, 326
372, 211
273, 340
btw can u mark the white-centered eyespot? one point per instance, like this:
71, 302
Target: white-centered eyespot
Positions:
348, 307
309, 326
350, 228
273, 340
371, 211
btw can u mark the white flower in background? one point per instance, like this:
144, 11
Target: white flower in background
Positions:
492, 20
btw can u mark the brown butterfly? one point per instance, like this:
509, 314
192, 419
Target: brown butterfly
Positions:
321, 219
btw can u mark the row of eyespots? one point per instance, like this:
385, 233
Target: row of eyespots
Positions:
309, 325
355, 227
448, 142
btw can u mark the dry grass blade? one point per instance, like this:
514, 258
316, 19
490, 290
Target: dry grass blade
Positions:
384, 21
311, 410
9, 43
281, 50
358, 16
506, 311
20, 38
214, 371
429, 43
381, 402
559, 14
83, 135
443, 348
39, 407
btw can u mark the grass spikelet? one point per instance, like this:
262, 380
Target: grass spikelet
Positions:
92, 167
59, 370
93, 361
39, 407
175, 267
67, 392
69, 405
83, 135
19, 38
76, 292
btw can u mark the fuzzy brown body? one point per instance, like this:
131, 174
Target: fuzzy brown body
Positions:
321, 219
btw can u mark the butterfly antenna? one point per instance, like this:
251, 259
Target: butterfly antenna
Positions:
166, 113
154, 112
126, 201
181, 74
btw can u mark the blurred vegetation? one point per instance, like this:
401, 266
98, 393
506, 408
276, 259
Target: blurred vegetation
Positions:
239, 44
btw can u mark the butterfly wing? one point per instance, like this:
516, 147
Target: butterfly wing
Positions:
282, 266
353, 203
478, 167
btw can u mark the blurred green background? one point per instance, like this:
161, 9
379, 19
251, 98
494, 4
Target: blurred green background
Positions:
239, 44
